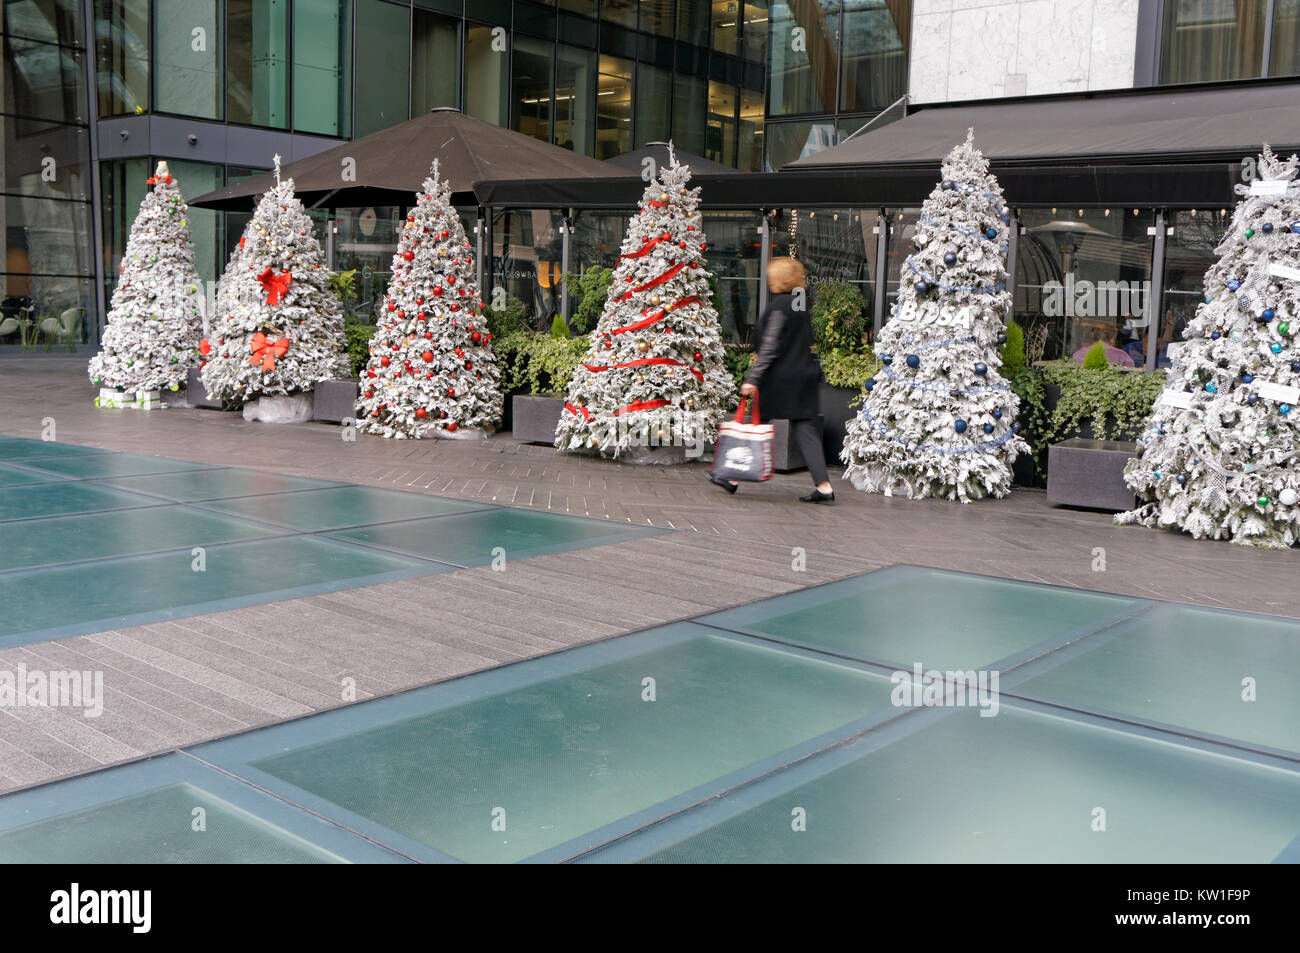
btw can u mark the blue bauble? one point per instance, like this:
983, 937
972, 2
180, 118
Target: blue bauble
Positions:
981, 369
950, 259
1215, 336
886, 359
1006, 219
1234, 284
913, 360
947, 184
1182, 479
1295, 367
959, 426
990, 233
1284, 409
1266, 314
922, 287
1002, 338
988, 428
1251, 398
997, 415
1275, 347
1212, 387
869, 385
1266, 228
1247, 378
1295, 227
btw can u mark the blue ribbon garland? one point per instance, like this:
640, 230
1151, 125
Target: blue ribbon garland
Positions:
992, 289
937, 386
885, 431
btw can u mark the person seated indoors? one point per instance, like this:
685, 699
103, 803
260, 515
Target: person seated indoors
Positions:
1132, 345
1113, 354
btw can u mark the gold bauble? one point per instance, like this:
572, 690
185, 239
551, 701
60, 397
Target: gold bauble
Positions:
664, 196
642, 346
654, 299
638, 378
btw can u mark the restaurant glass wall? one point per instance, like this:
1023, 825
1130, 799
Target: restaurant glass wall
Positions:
187, 58
383, 50
322, 73
836, 245
365, 240
257, 62
47, 298
1189, 253
614, 107
1082, 275
527, 260
435, 62
733, 258
487, 68
901, 226
122, 56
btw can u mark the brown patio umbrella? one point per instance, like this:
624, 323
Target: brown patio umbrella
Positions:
386, 167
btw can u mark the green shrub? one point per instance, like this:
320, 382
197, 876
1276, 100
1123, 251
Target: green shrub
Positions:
1116, 400
839, 316
560, 329
738, 361
358, 335
513, 317
852, 369
1013, 352
590, 291
536, 363
1095, 358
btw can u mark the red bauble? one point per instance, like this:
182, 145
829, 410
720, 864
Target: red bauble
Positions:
475, 337
454, 306
698, 356
421, 412
408, 255
419, 301
451, 392
429, 376
401, 314
438, 291
445, 233
452, 426
370, 393
628, 279
428, 357
370, 373
469, 366
429, 335
392, 306
385, 361
411, 219
459, 352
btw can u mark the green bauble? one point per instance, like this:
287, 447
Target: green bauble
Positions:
176, 386
1262, 502
176, 360
1250, 233
1284, 327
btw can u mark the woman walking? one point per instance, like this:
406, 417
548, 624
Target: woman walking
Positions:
786, 373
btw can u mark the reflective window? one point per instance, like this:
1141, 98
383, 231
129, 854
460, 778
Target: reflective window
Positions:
654, 95
657, 16
1284, 59
873, 73
733, 257
750, 146
366, 240
754, 29
530, 80
435, 63
839, 245
187, 58
725, 35
383, 43
122, 187
122, 55
720, 133
322, 51
585, 7
693, 21
575, 99
901, 223
1083, 277
43, 159
690, 111
526, 253
787, 141
614, 107
195, 179
257, 62
803, 61
42, 81
487, 67
1189, 253
622, 12
1212, 40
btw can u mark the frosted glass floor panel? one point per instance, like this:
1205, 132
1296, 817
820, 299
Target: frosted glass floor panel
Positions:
469, 539
335, 507
64, 496
16, 476
555, 749
943, 620
1223, 674
169, 810
1020, 787
216, 484
95, 465
17, 449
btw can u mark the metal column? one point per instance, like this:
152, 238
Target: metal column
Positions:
764, 254
330, 229
96, 189
1156, 295
882, 278
1013, 243
566, 233
479, 228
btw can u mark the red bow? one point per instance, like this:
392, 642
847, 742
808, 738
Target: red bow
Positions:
275, 285
265, 351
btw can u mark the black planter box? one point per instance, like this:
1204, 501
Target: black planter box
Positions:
785, 452
335, 401
196, 394
1090, 474
833, 403
534, 417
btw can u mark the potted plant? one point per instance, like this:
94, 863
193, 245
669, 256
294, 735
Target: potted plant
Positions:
334, 401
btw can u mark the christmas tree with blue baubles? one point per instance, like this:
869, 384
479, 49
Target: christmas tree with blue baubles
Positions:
938, 419
1220, 456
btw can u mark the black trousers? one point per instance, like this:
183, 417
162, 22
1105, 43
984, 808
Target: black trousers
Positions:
808, 438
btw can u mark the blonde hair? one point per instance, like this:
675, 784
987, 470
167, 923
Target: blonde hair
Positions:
785, 274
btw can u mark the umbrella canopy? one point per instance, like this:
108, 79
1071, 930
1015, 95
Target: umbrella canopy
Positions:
385, 167
630, 163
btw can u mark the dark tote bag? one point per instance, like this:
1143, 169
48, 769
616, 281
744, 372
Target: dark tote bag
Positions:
744, 450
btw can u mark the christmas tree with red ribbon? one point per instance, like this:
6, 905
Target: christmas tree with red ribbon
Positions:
278, 328
431, 371
654, 375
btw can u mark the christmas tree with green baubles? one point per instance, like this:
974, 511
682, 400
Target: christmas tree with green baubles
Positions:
281, 330
938, 418
154, 322
1221, 455
431, 371
654, 375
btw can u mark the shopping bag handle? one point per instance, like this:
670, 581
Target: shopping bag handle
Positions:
753, 408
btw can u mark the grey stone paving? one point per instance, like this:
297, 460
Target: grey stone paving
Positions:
181, 682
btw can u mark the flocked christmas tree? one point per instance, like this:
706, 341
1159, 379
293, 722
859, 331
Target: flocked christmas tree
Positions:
1220, 453
654, 375
938, 418
154, 323
281, 329
431, 370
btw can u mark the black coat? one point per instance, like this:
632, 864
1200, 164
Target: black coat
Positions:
785, 371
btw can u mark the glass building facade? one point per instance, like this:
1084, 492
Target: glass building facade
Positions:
94, 92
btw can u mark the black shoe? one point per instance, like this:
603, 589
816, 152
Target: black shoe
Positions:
725, 484
817, 496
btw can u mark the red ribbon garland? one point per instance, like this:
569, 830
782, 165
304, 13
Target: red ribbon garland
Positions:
644, 249
644, 361
653, 282
630, 408
692, 299
576, 410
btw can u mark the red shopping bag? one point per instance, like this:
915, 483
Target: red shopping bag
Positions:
744, 450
